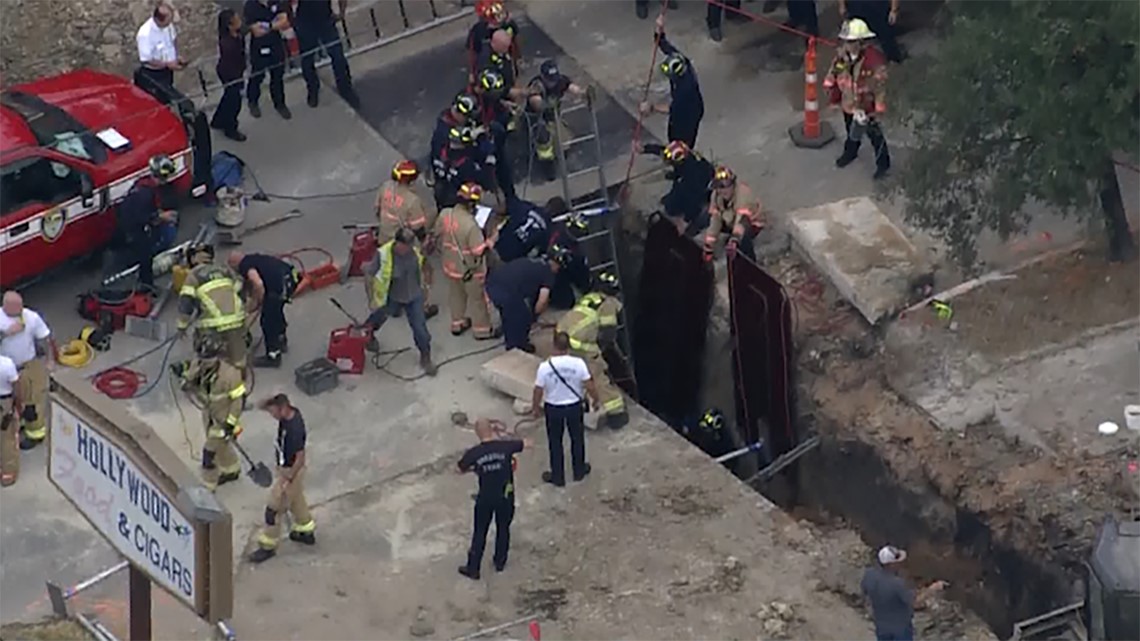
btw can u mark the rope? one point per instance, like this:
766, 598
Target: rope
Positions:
644, 96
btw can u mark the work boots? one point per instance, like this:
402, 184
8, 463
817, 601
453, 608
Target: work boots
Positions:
617, 421
426, 364
272, 359
850, 151
262, 554
308, 538
431, 310
228, 478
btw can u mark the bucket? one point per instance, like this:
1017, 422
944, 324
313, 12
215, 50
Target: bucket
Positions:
1132, 417
231, 207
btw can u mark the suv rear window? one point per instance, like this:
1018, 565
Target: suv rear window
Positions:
55, 128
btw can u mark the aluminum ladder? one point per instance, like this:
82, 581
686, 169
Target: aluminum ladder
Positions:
598, 211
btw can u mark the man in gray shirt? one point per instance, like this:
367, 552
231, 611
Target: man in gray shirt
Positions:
395, 284
892, 600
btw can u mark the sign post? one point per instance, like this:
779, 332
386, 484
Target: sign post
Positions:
141, 497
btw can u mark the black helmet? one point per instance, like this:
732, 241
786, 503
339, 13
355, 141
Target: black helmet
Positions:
607, 282
161, 167
712, 420
460, 135
196, 250
560, 254
465, 104
549, 71
491, 80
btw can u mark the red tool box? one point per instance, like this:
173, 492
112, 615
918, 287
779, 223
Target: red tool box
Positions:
346, 349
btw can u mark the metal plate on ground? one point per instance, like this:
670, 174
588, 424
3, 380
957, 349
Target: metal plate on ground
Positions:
402, 101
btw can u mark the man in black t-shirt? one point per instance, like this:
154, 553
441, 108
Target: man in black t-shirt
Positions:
271, 283
493, 460
288, 492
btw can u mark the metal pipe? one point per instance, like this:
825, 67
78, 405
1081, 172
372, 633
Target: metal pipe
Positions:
755, 447
96, 629
98, 578
226, 631
501, 626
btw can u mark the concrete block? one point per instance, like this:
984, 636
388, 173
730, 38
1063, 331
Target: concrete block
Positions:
511, 373
866, 257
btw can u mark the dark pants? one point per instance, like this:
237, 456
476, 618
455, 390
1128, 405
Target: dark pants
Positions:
259, 65
905, 635
504, 169
140, 251
876, 14
802, 15
226, 115
502, 511
273, 323
517, 316
714, 13
160, 84
559, 419
685, 129
879, 143
414, 311
309, 37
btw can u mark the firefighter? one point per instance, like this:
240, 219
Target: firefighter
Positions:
9, 421
459, 114
213, 294
857, 83
219, 385
686, 107
574, 276
493, 16
26, 339
398, 206
458, 163
498, 58
495, 117
733, 209
395, 282
520, 290
526, 230
288, 492
464, 261
711, 435
271, 283
591, 326
688, 198
141, 214
544, 93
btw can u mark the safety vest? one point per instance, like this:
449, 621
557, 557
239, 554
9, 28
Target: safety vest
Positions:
218, 297
382, 280
582, 322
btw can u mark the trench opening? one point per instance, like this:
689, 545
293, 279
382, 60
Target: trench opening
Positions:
843, 482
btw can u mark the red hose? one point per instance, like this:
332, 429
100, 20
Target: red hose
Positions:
119, 382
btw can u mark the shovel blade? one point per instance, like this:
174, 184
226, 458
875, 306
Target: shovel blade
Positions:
261, 475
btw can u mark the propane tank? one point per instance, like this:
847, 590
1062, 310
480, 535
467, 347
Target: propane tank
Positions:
231, 207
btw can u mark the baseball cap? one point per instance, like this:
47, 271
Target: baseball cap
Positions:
889, 554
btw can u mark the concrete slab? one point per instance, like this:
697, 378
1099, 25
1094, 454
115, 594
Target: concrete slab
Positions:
511, 373
862, 252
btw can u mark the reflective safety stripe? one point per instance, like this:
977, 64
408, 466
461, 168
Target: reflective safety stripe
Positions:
238, 391
233, 420
215, 432
607, 321
579, 346
266, 541
305, 528
187, 290
35, 433
215, 319
614, 405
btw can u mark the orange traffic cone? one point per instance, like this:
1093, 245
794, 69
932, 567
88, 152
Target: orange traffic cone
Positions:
812, 133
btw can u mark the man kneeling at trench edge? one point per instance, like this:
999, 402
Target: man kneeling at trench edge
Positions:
288, 492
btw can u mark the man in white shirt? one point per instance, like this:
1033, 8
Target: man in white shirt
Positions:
9, 422
559, 388
158, 54
24, 339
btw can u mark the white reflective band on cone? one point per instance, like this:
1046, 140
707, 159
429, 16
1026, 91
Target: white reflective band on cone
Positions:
811, 105
810, 78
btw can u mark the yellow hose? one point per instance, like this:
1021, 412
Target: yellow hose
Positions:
76, 353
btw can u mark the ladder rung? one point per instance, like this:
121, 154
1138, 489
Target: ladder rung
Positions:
574, 141
591, 203
571, 109
582, 172
605, 265
597, 234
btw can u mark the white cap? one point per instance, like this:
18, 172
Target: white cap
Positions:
889, 554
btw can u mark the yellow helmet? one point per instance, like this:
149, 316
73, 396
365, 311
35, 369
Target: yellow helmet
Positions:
855, 29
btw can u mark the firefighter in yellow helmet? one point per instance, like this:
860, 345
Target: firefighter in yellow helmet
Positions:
734, 209
219, 386
210, 299
398, 206
591, 325
464, 253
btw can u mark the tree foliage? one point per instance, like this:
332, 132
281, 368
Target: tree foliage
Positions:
1024, 100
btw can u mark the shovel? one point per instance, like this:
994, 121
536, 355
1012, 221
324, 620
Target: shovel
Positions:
352, 318
258, 473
